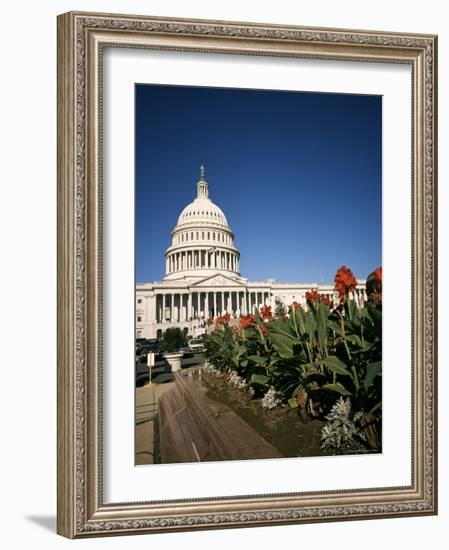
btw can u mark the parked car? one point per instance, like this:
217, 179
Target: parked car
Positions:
150, 345
196, 344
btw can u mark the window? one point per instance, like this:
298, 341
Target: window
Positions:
139, 318
139, 300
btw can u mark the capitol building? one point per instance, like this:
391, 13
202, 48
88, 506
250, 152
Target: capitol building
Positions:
202, 276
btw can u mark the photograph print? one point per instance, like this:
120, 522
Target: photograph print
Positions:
258, 262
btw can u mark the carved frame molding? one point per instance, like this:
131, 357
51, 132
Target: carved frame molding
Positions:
81, 39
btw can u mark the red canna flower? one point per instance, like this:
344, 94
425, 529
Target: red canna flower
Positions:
312, 296
325, 300
246, 321
265, 311
296, 305
378, 273
263, 328
344, 281
222, 320
234, 330
210, 321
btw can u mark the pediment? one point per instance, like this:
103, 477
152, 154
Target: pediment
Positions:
218, 280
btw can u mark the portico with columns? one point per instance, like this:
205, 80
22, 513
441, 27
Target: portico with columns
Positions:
202, 276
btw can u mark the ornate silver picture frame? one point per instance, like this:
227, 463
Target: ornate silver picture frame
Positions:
82, 40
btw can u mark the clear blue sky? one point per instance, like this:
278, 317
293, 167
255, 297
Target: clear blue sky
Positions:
298, 176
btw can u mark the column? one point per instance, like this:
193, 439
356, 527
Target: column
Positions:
164, 305
172, 307
189, 306
215, 304
222, 305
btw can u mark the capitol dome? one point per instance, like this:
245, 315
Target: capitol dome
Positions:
202, 241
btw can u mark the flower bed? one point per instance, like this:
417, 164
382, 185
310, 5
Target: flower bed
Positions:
324, 361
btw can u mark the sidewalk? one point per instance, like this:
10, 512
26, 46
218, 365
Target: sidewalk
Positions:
147, 398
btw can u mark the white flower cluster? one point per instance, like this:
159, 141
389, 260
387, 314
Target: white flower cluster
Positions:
211, 369
270, 399
235, 380
231, 377
340, 432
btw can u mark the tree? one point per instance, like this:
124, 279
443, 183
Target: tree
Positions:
280, 311
173, 339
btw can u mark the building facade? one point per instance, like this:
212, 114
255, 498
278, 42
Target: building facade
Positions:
202, 276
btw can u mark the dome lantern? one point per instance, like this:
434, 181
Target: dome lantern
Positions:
202, 185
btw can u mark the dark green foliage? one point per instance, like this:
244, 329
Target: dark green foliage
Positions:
173, 339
